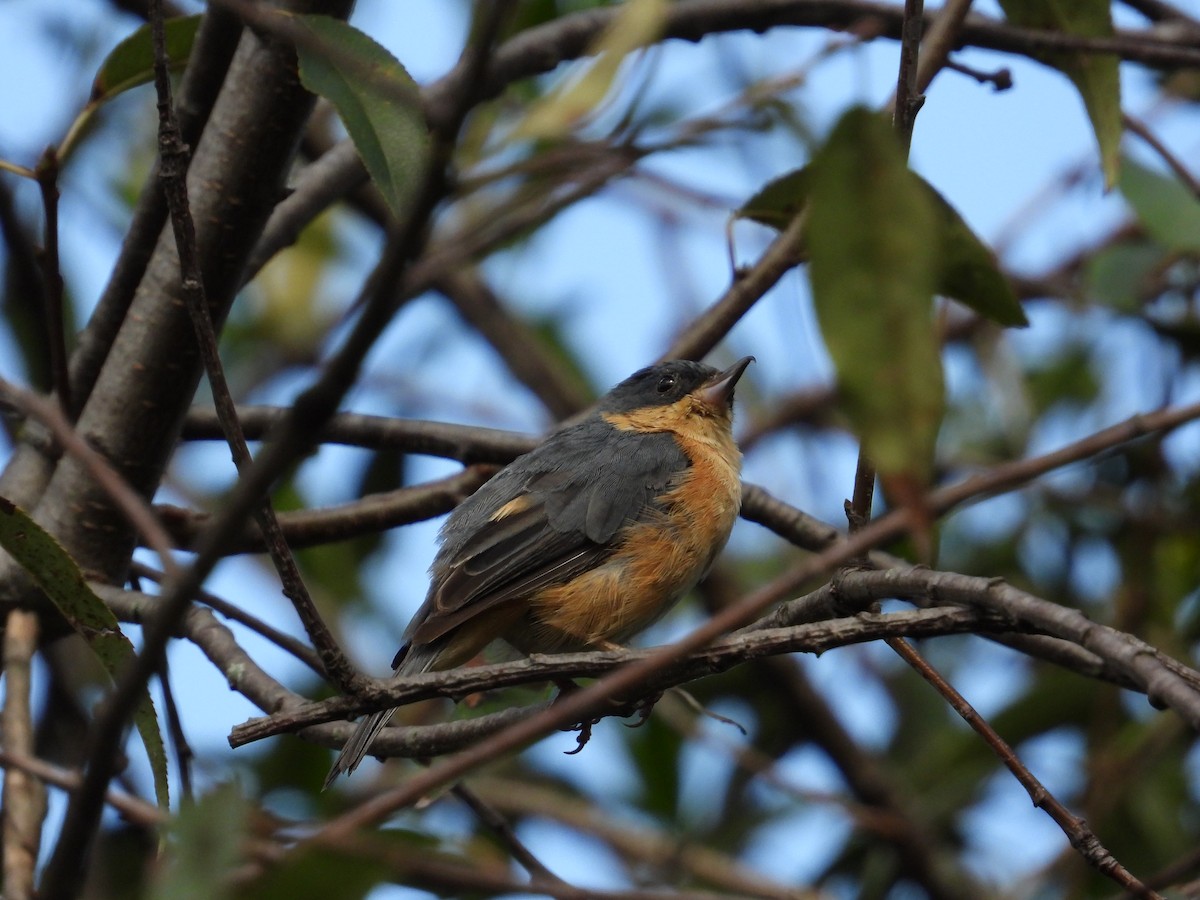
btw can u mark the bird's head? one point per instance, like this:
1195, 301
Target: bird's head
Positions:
667, 396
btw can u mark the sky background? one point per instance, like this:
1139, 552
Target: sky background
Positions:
994, 156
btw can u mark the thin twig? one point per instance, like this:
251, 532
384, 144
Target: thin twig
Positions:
24, 796
711, 326
229, 610
718, 656
641, 845
370, 514
1081, 837
64, 873
183, 750
47, 179
133, 809
626, 680
908, 98
941, 38
500, 827
174, 158
1138, 127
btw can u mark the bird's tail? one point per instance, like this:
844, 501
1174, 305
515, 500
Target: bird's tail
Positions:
409, 661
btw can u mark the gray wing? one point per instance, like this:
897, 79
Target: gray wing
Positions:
547, 517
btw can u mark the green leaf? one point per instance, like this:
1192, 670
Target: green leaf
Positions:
1170, 212
967, 268
1096, 75
1117, 276
62, 581
318, 872
873, 245
637, 24
131, 62
377, 99
206, 846
779, 200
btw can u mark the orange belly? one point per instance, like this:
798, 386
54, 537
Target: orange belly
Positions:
655, 564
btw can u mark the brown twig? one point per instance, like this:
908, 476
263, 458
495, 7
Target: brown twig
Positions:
1182, 172
128, 501
640, 845
371, 514
183, 750
908, 98
748, 287
174, 157
522, 351
494, 820
750, 643
47, 180
941, 37
67, 866
285, 642
24, 796
134, 809
1075, 828
466, 443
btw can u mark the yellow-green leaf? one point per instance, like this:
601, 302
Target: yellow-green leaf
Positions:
967, 268
131, 62
637, 23
377, 99
1096, 75
873, 262
52, 568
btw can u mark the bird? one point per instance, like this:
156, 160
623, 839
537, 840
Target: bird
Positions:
589, 538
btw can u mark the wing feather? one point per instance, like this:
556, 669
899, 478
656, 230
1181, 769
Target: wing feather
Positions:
552, 514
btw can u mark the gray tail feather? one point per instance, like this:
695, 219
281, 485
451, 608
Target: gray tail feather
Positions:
409, 661
358, 745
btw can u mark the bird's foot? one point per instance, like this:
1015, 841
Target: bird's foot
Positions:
642, 707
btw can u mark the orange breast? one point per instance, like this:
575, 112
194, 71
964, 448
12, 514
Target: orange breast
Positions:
656, 562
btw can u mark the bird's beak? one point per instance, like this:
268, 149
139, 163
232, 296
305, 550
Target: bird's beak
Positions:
718, 393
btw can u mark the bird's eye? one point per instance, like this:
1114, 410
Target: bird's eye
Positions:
667, 383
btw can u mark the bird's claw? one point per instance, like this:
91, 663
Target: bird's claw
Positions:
643, 708
585, 735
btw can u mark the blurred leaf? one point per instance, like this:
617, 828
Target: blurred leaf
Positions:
291, 293
1065, 378
873, 251
656, 750
1168, 210
1177, 571
319, 874
206, 845
131, 62
637, 24
1096, 75
63, 583
1117, 276
967, 268
378, 101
